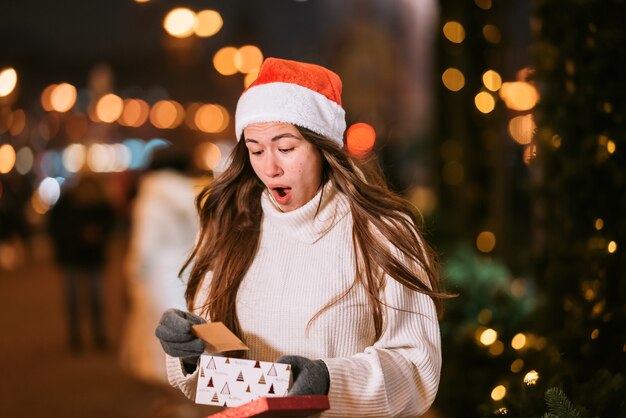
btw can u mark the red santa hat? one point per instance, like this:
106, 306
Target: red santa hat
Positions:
306, 95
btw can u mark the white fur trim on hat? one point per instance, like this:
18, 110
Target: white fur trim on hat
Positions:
290, 103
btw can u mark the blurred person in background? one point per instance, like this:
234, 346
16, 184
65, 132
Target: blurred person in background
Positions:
163, 229
81, 224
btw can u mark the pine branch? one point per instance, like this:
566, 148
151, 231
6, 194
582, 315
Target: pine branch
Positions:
559, 406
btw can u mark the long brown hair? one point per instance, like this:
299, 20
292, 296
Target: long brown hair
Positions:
230, 220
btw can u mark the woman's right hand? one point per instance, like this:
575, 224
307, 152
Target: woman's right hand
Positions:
177, 339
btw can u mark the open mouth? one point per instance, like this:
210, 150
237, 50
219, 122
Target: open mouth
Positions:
282, 194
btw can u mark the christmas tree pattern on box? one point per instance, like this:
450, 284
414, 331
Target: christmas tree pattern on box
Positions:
227, 381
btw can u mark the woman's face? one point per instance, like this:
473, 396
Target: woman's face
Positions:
288, 165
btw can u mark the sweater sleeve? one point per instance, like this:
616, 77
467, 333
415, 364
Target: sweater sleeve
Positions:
180, 379
398, 375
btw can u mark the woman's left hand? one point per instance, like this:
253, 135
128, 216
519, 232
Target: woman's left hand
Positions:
310, 377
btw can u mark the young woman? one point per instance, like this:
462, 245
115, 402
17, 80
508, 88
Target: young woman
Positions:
306, 255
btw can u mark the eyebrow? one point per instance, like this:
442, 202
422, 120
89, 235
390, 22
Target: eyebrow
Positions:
276, 138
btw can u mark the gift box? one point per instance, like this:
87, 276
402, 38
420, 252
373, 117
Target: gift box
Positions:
228, 381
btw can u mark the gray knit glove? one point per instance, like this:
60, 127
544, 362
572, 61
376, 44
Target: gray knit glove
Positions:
310, 377
177, 340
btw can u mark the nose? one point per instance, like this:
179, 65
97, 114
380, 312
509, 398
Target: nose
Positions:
271, 166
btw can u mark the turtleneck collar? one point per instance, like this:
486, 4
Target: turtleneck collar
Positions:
312, 221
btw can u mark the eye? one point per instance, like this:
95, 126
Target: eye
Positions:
285, 150
256, 152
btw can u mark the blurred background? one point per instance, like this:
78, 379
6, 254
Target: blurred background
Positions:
504, 122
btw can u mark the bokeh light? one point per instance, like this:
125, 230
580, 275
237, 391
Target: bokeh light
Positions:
180, 22
486, 241
483, 4
454, 32
498, 393
224, 60
360, 139
519, 341
492, 34
8, 81
109, 108
519, 95
453, 79
484, 102
7, 158
522, 128
24, 159
167, 114
63, 97
46, 95
208, 156
531, 377
135, 113
248, 58
211, 118
49, 191
492, 80
488, 336
74, 157
208, 23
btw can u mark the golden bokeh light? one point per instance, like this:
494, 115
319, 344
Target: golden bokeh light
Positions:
135, 113
484, 102
519, 95
492, 34
610, 146
180, 22
248, 58
488, 336
167, 114
8, 81
517, 365
531, 378
63, 97
486, 241
46, 95
211, 118
74, 157
208, 23
454, 32
556, 141
360, 139
208, 155
250, 78
498, 393
224, 60
7, 158
612, 247
522, 128
598, 224
496, 348
492, 80
519, 341
453, 79
109, 108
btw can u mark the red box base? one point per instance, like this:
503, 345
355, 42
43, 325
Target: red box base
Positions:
287, 407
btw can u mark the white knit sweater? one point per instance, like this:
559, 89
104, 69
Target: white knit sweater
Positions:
305, 260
